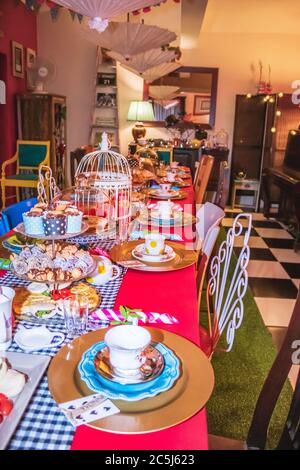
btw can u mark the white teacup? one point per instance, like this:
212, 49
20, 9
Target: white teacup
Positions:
165, 187
165, 209
126, 344
171, 176
105, 272
154, 244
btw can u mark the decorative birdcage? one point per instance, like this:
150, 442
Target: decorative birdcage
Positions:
103, 185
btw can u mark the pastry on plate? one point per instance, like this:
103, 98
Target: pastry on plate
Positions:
12, 382
89, 292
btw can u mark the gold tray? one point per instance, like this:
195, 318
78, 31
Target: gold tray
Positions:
186, 220
180, 195
183, 258
188, 396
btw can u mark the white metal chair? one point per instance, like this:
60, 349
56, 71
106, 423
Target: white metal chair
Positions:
208, 215
207, 248
225, 293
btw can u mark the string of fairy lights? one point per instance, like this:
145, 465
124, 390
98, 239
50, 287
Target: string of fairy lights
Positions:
269, 99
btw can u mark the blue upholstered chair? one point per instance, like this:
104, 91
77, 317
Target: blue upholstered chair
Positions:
30, 156
13, 213
4, 226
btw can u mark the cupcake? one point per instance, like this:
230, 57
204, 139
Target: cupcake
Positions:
55, 224
74, 219
33, 222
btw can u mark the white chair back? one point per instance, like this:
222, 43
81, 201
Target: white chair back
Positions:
208, 215
228, 299
207, 248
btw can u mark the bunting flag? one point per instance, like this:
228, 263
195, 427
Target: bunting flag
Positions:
54, 8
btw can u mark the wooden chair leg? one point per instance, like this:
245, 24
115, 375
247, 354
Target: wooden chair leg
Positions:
3, 195
18, 194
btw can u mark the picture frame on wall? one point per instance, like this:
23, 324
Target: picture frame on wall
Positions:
201, 105
17, 59
30, 57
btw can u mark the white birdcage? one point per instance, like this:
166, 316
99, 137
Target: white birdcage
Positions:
103, 184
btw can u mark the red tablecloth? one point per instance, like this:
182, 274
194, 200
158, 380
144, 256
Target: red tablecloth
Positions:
174, 293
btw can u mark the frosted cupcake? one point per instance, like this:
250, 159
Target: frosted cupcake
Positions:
33, 222
55, 223
74, 219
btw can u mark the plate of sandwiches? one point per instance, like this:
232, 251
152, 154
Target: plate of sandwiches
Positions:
43, 304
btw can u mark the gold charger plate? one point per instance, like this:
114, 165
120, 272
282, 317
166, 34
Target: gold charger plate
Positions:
183, 259
188, 396
178, 197
187, 219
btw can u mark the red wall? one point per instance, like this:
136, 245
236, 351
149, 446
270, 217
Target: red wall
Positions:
17, 24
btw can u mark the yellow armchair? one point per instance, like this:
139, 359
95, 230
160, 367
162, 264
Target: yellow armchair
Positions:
30, 155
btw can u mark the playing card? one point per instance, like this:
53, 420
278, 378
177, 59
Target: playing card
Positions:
87, 409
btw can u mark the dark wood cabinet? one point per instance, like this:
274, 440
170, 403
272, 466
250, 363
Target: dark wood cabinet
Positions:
43, 117
253, 136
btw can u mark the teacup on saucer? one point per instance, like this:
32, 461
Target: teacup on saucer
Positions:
126, 344
165, 209
155, 244
105, 272
165, 188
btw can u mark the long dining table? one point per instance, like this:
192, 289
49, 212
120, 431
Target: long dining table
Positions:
164, 292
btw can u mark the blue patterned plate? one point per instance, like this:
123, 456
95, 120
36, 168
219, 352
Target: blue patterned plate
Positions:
129, 392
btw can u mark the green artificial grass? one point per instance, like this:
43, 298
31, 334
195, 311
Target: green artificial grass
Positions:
240, 374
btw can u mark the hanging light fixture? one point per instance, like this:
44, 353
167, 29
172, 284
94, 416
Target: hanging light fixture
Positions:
129, 39
159, 71
100, 11
146, 60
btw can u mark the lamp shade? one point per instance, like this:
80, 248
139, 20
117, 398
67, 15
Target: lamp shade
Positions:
140, 111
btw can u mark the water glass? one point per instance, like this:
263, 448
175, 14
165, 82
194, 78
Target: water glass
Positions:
76, 309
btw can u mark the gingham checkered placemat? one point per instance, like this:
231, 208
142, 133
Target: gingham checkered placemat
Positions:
43, 426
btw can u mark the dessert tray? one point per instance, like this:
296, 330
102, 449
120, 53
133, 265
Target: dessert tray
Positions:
123, 254
21, 229
53, 263
33, 367
190, 377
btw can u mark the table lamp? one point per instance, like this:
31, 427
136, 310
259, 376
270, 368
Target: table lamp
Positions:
140, 111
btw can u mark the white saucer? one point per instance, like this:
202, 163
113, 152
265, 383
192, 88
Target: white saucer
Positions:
37, 338
155, 214
140, 254
159, 193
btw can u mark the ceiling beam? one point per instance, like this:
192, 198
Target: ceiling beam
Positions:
192, 16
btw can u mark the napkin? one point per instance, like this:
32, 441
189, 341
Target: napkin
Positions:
137, 234
86, 409
139, 317
4, 263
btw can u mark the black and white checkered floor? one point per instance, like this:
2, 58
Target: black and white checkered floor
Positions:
274, 270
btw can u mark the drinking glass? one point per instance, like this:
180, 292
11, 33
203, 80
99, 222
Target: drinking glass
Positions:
76, 309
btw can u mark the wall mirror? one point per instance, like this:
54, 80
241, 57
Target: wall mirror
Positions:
189, 92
